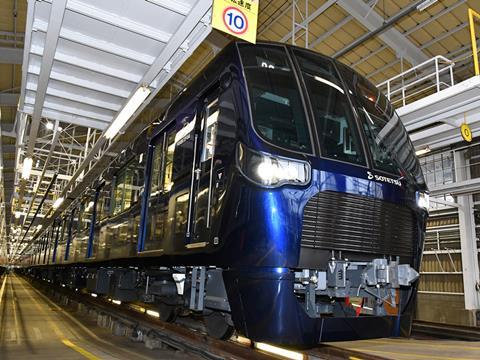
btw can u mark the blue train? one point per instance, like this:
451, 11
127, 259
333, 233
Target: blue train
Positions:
279, 196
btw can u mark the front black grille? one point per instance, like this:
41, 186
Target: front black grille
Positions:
354, 223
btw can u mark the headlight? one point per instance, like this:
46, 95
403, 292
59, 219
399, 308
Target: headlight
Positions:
271, 171
423, 200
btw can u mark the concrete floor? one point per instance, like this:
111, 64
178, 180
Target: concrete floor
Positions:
32, 327
416, 348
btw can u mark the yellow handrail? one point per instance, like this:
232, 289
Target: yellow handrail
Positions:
471, 14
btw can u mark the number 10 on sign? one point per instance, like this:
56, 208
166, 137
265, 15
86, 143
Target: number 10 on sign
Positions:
236, 17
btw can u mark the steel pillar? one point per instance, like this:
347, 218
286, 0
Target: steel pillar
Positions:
468, 238
298, 26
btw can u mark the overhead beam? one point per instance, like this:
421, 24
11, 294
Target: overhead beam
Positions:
176, 6
99, 44
107, 17
9, 99
122, 74
11, 55
69, 118
67, 107
80, 97
377, 26
57, 12
81, 82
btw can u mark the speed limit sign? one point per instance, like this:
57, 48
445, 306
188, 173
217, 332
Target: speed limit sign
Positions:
237, 18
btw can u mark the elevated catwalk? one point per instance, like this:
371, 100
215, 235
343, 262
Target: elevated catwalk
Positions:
435, 120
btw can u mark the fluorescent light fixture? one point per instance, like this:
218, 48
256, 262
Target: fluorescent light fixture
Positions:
58, 202
289, 354
424, 151
130, 107
27, 168
425, 4
93, 295
49, 125
117, 302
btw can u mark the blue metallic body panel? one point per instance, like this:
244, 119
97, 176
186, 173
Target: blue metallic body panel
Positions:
264, 308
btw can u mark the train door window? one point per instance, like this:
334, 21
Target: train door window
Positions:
167, 182
183, 153
138, 169
161, 184
87, 214
182, 166
118, 192
128, 188
203, 174
210, 133
334, 120
181, 216
155, 186
103, 203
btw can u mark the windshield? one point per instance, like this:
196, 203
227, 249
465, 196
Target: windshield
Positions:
391, 148
277, 108
334, 120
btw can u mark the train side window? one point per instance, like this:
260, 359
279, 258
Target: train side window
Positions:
128, 184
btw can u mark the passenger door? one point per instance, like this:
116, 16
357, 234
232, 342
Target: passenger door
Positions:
203, 174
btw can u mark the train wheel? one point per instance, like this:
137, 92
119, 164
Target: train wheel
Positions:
168, 313
218, 325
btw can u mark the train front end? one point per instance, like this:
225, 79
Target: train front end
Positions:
329, 205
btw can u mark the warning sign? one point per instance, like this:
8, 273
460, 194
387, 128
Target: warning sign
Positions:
236, 17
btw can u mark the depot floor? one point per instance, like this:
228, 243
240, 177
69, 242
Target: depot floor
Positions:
416, 348
32, 327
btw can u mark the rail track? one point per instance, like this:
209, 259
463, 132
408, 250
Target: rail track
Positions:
139, 323
445, 331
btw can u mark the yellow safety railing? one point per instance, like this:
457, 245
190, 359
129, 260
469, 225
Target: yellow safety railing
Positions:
471, 15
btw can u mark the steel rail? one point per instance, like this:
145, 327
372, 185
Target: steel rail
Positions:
183, 338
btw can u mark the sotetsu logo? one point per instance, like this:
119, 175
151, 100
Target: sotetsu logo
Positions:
382, 178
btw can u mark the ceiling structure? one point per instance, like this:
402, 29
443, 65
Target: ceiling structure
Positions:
83, 60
